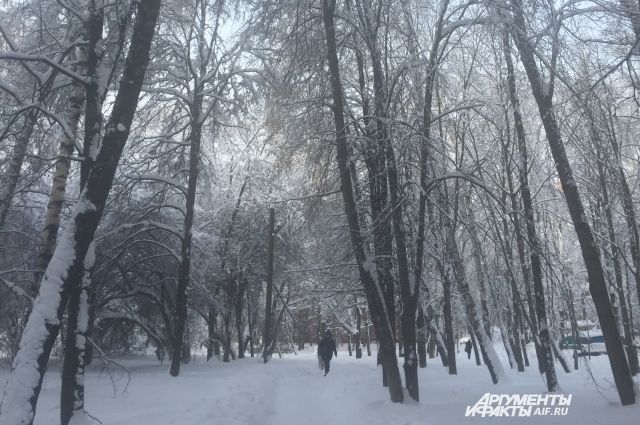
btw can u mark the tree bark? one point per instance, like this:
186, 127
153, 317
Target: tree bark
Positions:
78, 320
212, 318
184, 274
486, 347
59, 184
409, 291
588, 247
629, 212
358, 333
480, 269
546, 355
372, 284
66, 268
239, 311
422, 340
72, 390
12, 175
269, 296
632, 354
448, 321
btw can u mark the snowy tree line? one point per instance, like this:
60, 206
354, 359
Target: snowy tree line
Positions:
238, 175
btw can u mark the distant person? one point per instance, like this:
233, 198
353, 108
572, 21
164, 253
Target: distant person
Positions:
160, 354
467, 348
326, 350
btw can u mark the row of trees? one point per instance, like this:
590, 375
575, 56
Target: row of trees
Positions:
433, 153
429, 168
147, 149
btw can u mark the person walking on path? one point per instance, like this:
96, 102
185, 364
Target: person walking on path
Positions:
326, 350
467, 348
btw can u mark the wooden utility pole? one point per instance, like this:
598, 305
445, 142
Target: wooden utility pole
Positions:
267, 319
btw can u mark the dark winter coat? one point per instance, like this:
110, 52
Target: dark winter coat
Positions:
468, 346
327, 348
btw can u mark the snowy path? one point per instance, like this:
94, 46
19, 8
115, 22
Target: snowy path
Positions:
292, 391
305, 393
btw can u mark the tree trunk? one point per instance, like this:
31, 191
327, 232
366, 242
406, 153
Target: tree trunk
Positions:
368, 340
526, 272
422, 340
239, 312
409, 291
211, 332
72, 390
480, 269
226, 348
250, 324
486, 347
184, 274
12, 175
425, 157
185, 355
269, 297
597, 284
546, 355
358, 333
373, 289
632, 354
59, 184
78, 319
629, 214
66, 269
448, 321
514, 317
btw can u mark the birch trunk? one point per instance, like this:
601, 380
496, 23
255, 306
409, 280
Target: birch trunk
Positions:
66, 268
59, 184
12, 175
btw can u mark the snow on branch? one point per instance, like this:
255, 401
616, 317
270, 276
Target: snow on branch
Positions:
13, 47
464, 176
22, 57
16, 289
151, 225
161, 179
12, 91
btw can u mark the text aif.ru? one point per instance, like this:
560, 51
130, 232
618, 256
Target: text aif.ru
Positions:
520, 405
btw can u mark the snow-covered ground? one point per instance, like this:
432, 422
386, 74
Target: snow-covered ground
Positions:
292, 390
